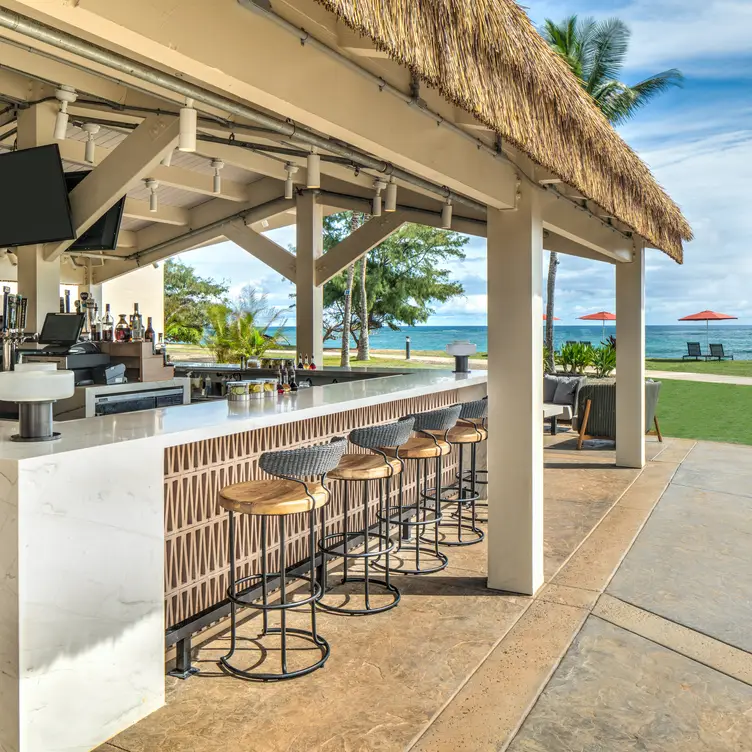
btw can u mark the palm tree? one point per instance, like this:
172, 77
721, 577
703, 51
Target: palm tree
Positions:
595, 52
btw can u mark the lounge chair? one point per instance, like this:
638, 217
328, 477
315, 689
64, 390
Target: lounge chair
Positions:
693, 351
571, 341
588, 343
717, 353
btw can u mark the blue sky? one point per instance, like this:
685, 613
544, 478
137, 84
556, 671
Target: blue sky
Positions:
697, 140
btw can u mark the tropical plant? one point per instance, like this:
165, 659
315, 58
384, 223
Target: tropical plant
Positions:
575, 357
187, 298
219, 339
405, 278
604, 361
595, 52
548, 360
233, 334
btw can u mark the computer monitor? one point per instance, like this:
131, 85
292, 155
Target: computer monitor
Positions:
61, 329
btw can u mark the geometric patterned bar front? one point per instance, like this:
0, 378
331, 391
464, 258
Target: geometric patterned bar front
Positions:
196, 556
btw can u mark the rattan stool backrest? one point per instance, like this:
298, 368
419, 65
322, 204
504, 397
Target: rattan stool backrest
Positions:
318, 459
475, 409
387, 435
437, 420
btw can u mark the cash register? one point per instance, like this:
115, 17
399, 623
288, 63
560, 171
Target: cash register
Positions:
60, 334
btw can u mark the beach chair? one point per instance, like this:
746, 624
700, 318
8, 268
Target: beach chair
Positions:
693, 351
717, 353
584, 342
571, 341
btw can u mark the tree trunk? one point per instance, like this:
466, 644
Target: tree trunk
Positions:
550, 294
355, 222
364, 350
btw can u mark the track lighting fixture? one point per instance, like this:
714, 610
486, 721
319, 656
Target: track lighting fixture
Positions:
217, 165
167, 158
390, 200
313, 178
152, 185
91, 130
290, 169
446, 215
379, 185
188, 120
65, 95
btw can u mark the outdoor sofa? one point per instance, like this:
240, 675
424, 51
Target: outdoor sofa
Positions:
564, 391
596, 411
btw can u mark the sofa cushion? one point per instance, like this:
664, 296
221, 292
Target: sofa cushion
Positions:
566, 390
549, 387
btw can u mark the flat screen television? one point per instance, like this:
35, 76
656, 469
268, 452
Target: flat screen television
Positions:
103, 234
34, 206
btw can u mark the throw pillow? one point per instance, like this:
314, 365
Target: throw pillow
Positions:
549, 387
565, 391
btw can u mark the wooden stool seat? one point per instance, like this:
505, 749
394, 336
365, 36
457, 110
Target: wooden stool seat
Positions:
272, 497
365, 467
463, 433
419, 448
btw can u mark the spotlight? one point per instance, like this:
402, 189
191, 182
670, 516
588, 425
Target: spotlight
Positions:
65, 95
390, 201
313, 178
217, 164
290, 169
167, 159
152, 185
379, 185
91, 130
446, 215
188, 119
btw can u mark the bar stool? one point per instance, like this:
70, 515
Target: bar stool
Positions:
293, 494
468, 431
421, 516
364, 468
476, 413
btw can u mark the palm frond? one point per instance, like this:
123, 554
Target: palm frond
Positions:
605, 50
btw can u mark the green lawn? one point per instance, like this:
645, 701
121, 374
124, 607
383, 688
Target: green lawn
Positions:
714, 412
724, 367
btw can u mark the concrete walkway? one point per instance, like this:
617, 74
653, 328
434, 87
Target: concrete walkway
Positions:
708, 378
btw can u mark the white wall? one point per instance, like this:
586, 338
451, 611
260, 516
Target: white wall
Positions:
143, 286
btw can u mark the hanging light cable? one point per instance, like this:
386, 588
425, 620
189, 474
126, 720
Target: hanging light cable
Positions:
390, 200
152, 185
217, 164
91, 130
313, 178
65, 95
446, 215
290, 169
188, 120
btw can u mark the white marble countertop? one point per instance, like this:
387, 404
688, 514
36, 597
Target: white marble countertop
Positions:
170, 426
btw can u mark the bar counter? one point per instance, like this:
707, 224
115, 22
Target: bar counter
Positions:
112, 545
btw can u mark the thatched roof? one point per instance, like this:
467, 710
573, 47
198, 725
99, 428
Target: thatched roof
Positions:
486, 57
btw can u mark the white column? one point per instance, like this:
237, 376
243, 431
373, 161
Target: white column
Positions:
630, 362
309, 300
515, 393
38, 280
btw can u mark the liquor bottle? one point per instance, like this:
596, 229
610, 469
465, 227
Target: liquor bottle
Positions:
96, 329
305, 363
62, 304
137, 327
122, 330
149, 333
300, 361
313, 365
280, 382
108, 325
291, 380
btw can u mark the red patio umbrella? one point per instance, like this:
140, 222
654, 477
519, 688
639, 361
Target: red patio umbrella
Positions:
603, 316
707, 317
556, 318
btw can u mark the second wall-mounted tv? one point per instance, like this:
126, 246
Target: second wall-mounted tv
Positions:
103, 234
34, 206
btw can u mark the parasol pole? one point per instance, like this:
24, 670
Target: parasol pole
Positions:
707, 335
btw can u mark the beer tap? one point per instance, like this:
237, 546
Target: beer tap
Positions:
14, 327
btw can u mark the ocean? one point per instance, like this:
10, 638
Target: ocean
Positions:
660, 341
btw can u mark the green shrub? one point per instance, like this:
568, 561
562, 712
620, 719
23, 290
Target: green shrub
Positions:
575, 357
604, 361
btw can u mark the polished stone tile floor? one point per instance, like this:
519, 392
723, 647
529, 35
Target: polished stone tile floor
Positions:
459, 667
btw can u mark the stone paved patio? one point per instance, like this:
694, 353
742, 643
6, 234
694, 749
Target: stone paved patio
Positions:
653, 659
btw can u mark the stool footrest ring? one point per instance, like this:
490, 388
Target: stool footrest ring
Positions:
273, 576
363, 611
395, 515
338, 549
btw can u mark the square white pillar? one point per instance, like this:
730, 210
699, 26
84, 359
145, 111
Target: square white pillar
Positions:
309, 299
515, 394
630, 362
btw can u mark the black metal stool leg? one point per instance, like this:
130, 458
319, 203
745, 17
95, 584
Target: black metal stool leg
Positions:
264, 570
312, 544
385, 504
345, 524
460, 494
405, 528
437, 504
283, 592
366, 542
233, 607
473, 483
